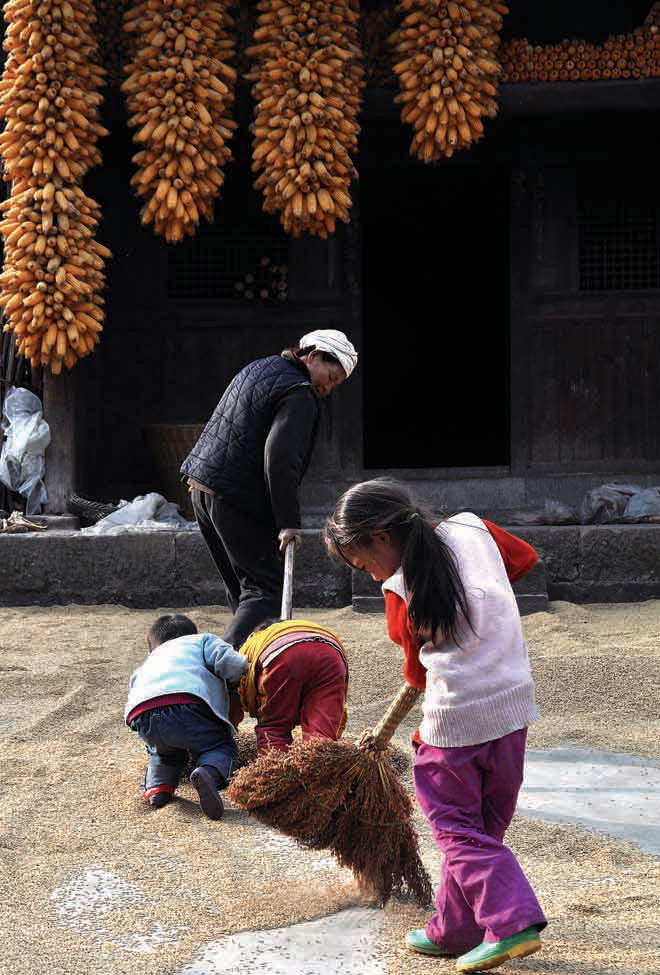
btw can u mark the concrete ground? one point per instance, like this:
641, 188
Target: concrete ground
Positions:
93, 880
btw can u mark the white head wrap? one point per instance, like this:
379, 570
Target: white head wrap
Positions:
335, 342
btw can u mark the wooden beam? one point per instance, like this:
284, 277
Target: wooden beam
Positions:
545, 98
60, 413
569, 97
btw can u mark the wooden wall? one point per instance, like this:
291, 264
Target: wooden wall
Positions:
585, 370
585, 334
171, 344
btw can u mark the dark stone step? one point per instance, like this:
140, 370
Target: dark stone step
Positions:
531, 592
595, 563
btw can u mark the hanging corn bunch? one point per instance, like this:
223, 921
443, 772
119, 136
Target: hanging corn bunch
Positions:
308, 78
180, 90
633, 55
445, 59
53, 268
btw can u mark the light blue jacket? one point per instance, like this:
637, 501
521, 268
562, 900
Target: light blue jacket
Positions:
199, 664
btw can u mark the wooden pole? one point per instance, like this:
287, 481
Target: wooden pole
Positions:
59, 402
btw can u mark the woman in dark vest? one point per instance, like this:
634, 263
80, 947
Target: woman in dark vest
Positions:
245, 470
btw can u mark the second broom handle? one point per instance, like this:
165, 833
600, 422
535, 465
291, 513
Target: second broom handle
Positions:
287, 590
395, 714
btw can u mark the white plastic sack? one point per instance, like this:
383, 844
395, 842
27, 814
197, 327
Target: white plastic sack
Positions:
645, 504
148, 512
606, 503
26, 436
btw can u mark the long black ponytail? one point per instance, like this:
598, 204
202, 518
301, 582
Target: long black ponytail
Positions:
437, 598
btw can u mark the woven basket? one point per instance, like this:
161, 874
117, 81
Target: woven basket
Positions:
88, 510
170, 444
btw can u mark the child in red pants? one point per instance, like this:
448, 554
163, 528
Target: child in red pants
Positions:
298, 676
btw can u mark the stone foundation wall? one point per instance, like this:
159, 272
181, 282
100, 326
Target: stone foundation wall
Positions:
613, 563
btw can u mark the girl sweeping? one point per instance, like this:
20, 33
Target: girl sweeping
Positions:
450, 605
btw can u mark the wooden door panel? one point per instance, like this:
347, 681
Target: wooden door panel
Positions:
593, 391
585, 363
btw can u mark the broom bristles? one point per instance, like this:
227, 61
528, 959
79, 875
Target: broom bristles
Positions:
333, 795
376, 838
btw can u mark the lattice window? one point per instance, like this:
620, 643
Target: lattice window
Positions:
236, 268
618, 238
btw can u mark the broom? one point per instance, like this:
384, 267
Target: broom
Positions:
343, 797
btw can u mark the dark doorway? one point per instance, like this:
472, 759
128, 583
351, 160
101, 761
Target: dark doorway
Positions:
435, 284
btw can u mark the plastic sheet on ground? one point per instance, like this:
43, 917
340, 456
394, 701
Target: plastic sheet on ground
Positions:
347, 942
617, 794
149, 512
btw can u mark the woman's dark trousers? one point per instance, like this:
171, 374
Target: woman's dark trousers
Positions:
246, 552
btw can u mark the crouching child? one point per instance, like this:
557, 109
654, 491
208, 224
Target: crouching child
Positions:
297, 675
178, 703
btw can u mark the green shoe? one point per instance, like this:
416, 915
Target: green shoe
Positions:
416, 940
490, 954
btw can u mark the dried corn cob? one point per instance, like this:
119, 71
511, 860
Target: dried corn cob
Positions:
633, 55
445, 59
180, 89
52, 274
308, 78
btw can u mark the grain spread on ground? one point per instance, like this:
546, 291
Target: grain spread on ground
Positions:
90, 872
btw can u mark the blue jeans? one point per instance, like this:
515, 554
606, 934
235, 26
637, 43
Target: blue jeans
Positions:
169, 733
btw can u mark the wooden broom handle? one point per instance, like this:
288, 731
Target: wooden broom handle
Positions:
395, 714
287, 589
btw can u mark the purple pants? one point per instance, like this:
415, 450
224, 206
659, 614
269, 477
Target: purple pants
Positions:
468, 795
